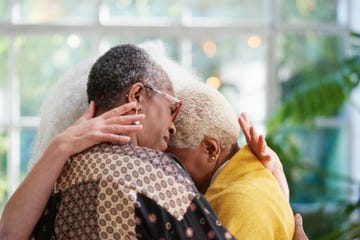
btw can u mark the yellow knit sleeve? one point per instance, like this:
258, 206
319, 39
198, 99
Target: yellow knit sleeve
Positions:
251, 214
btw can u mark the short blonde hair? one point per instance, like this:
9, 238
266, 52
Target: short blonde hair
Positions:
205, 112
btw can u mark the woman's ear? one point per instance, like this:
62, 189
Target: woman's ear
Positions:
135, 93
212, 147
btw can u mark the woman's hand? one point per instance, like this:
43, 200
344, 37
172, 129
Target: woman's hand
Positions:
299, 229
258, 145
112, 126
266, 155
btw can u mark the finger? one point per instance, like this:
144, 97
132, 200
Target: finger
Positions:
114, 138
253, 134
243, 123
266, 155
90, 112
299, 229
244, 127
298, 220
244, 115
118, 111
126, 119
122, 129
262, 143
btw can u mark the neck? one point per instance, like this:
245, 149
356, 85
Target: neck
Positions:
223, 159
226, 155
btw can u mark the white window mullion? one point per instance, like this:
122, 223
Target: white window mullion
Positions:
13, 160
272, 86
354, 114
186, 52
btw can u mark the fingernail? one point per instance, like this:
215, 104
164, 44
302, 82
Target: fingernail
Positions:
298, 218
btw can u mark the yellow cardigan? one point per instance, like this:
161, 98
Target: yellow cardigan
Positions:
248, 200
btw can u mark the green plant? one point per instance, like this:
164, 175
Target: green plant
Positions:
291, 129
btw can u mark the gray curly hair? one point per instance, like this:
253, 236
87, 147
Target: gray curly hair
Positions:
205, 112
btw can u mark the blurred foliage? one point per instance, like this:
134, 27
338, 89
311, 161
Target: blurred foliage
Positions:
323, 97
308, 11
3, 164
4, 44
144, 8
4, 10
293, 126
41, 60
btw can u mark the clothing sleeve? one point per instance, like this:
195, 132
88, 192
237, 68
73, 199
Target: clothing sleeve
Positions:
250, 216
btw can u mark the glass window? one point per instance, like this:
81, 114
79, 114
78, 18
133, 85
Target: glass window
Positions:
322, 177
4, 50
237, 66
4, 184
115, 10
42, 60
4, 47
234, 10
27, 137
170, 45
306, 58
4, 11
59, 11
313, 11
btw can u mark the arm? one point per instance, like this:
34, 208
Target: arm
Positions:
267, 156
32, 195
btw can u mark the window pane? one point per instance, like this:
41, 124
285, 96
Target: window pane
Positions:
4, 46
64, 11
4, 11
170, 45
4, 49
109, 42
27, 137
306, 58
323, 149
3, 168
237, 66
320, 11
235, 10
114, 9
42, 60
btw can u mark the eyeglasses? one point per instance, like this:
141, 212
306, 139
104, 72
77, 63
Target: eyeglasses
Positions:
177, 102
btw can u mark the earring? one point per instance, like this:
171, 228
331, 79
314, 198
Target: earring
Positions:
136, 112
212, 158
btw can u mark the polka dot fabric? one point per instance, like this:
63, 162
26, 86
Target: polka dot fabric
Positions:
127, 192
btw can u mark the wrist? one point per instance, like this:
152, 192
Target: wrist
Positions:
62, 145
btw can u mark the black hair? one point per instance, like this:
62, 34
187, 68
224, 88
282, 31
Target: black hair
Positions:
119, 68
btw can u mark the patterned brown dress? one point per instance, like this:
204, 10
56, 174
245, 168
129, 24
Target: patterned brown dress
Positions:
127, 192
